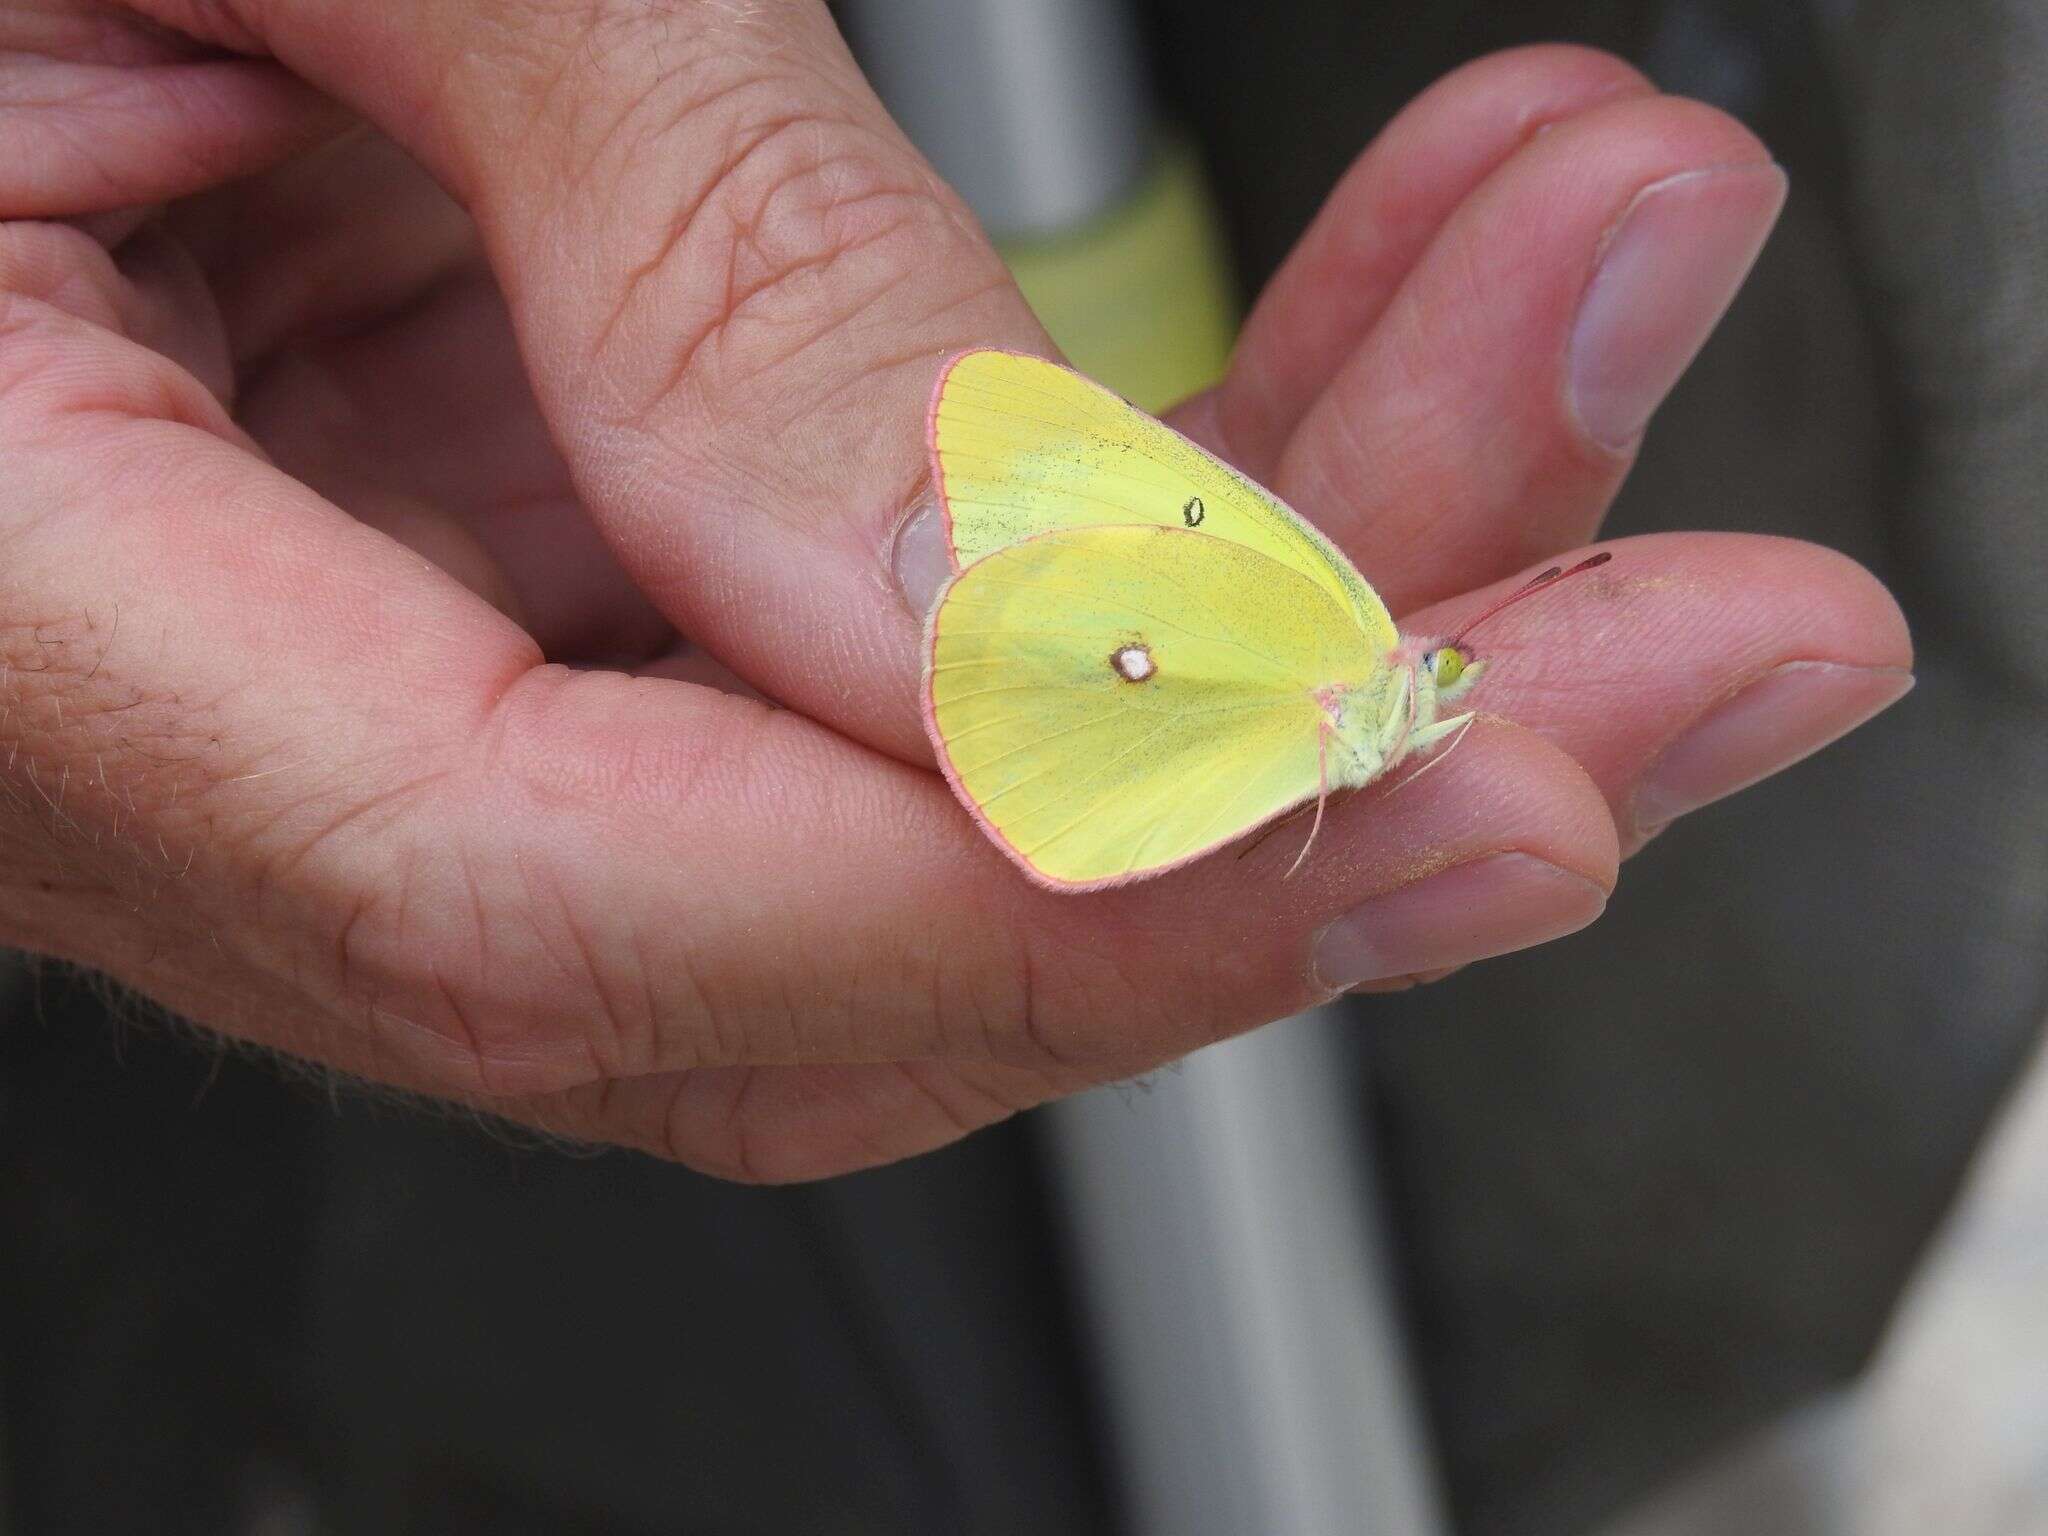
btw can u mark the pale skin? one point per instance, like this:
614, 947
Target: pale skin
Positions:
350, 524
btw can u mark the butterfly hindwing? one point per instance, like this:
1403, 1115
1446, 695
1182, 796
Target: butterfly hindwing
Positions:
1112, 701
1023, 446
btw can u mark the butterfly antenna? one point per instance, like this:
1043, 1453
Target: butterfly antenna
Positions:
1529, 588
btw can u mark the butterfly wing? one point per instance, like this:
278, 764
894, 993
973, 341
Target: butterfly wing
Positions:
1112, 701
1022, 446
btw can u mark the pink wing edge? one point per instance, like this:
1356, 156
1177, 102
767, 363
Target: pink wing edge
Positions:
1016, 855
931, 429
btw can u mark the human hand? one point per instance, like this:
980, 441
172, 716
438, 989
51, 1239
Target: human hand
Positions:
483, 828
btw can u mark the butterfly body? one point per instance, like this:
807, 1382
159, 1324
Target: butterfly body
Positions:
1144, 655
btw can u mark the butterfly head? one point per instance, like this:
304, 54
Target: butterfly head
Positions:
1450, 670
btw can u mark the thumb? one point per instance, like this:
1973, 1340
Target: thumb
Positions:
733, 280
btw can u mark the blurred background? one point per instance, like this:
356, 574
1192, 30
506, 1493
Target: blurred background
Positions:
1728, 1214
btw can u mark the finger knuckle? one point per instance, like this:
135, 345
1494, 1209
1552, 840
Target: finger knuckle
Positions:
62, 267
800, 220
65, 364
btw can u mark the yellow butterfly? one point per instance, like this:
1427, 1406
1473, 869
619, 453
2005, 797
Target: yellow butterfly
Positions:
1144, 655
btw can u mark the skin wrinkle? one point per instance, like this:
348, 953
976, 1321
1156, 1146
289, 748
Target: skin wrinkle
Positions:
791, 427
1043, 1068
691, 775
813, 267
619, 1028
532, 62
696, 1003
1040, 1018
683, 221
392, 965
938, 316
286, 866
797, 996
478, 910
1026, 1013
731, 172
643, 971
530, 909
346, 969
735, 1126
925, 1079
687, 116
470, 1040
816, 256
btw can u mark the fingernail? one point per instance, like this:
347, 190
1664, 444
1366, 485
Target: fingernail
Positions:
1502, 902
1785, 715
1664, 279
921, 561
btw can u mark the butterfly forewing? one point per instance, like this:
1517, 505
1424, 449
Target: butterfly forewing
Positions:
1023, 446
1115, 700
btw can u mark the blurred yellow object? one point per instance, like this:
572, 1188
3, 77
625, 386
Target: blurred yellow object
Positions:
1139, 298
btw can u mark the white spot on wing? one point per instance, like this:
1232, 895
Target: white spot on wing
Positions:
1134, 663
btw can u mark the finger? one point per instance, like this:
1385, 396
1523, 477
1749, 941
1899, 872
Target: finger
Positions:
1692, 665
1489, 418
338, 278
462, 457
733, 281
1375, 225
99, 112
327, 246
147, 291
172, 310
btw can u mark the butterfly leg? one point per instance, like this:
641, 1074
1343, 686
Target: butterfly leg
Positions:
1430, 735
1391, 743
1322, 797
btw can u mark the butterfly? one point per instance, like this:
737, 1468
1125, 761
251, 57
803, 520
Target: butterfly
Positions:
1143, 655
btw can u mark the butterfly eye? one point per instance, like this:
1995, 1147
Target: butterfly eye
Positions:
1446, 665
